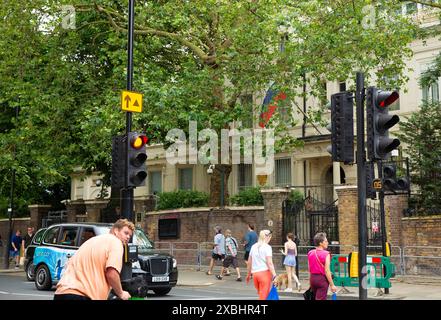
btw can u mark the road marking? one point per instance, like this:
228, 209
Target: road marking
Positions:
25, 294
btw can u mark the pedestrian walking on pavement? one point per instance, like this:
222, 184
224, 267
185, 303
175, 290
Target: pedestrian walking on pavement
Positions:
27, 239
230, 255
319, 261
249, 240
290, 253
14, 249
261, 266
218, 253
95, 268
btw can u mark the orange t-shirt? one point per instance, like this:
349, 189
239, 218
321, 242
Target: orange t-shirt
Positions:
85, 273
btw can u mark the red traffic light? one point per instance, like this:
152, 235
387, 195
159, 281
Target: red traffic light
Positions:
138, 141
386, 98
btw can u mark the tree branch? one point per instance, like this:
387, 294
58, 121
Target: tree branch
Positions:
206, 59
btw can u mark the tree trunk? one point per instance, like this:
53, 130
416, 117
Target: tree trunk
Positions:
216, 198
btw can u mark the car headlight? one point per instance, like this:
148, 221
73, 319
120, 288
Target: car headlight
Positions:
175, 263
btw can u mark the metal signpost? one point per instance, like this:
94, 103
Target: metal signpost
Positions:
126, 192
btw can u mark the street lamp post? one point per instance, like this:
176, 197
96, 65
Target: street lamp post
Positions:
222, 200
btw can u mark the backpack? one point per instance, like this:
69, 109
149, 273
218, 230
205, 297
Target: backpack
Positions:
235, 244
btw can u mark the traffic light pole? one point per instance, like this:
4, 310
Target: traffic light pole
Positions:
126, 192
382, 219
361, 180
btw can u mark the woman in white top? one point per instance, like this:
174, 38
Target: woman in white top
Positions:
260, 265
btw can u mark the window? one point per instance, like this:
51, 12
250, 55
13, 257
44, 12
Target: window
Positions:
342, 86
168, 228
431, 93
155, 182
51, 236
411, 7
245, 175
86, 234
68, 236
283, 172
186, 179
37, 238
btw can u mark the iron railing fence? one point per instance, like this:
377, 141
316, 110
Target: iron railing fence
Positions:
408, 261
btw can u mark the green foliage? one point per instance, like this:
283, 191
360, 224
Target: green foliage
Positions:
248, 197
193, 60
421, 134
296, 197
181, 199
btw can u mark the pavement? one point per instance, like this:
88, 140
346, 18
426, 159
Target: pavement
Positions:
403, 287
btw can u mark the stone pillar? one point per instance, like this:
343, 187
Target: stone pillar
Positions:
273, 215
298, 173
38, 212
336, 179
393, 209
73, 208
347, 217
93, 209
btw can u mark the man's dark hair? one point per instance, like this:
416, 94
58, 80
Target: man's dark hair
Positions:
251, 226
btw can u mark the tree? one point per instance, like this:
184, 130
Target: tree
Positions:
194, 60
422, 136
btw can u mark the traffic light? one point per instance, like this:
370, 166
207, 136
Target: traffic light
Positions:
137, 156
118, 161
390, 180
379, 145
342, 127
390, 177
370, 176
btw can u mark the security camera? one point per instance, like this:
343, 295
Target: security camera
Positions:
210, 169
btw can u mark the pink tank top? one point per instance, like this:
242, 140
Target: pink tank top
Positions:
316, 267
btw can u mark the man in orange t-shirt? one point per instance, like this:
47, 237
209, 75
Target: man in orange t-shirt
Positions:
94, 269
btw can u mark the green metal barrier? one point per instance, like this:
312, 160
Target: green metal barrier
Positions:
379, 271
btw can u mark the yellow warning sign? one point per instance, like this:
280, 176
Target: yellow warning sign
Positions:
131, 101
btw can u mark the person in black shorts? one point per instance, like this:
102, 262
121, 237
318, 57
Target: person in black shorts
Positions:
218, 252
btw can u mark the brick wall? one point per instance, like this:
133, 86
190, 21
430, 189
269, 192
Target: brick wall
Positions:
273, 214
196, 225
421, 231
18, 223
393, 209
197, 230
347, 217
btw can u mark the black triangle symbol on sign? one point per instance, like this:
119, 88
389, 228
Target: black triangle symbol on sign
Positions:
136, 104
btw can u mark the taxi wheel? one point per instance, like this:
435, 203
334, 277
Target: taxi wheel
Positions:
43, 279
30, 272
161, 291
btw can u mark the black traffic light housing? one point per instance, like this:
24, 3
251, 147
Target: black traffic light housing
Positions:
370, 177
390, 177
137, 156
342, 127
118, 161
391, 182
379, 121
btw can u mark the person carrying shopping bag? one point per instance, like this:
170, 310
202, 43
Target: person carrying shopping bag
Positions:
260, 265
319, 261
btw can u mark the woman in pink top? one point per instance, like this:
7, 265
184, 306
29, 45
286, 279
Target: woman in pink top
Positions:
319, 260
